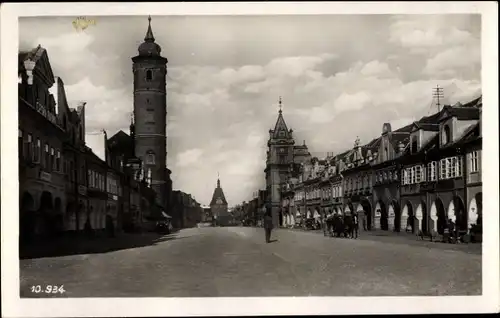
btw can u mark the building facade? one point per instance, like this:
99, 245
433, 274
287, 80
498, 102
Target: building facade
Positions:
73, 157
188, 212
150, 111
42, 193
434, 174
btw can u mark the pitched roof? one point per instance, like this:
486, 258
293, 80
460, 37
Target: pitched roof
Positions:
404, 129
461, 113
218, 193
477, 102
122, 142
470, 133
427, 126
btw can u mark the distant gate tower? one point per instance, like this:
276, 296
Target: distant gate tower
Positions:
150, 115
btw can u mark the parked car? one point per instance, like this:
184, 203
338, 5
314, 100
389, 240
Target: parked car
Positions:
163, 227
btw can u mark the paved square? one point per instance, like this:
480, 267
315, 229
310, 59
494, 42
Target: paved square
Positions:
231, 262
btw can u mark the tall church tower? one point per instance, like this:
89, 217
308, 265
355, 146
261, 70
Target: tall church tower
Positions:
150, 115
280, 156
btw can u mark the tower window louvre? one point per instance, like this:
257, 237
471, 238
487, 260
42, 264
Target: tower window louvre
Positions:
149, 76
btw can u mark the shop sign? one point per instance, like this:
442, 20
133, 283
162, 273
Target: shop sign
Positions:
45, 176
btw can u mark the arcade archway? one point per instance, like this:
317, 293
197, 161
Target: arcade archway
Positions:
407, 218
393, 216
27, 219
438, 216
367, 217
475, 210
44, 225
456, 212
421, 218
380, 218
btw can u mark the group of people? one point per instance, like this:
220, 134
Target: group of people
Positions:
346, 225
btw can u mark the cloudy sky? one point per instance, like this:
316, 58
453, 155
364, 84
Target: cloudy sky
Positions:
340, 76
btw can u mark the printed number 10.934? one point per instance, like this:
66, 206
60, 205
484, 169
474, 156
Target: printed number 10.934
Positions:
49, 289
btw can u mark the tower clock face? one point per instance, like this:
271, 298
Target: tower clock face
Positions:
219, 201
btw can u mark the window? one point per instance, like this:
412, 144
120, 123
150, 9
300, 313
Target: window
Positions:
442, 169
450, 168
474, 161
431, 170
414, 145
52, 158
91, 181
452, 162
149, 75
458, 167
408, 175
446, 137
20, 143
150, 159
418, 174
46, 158
386, 154
58, 161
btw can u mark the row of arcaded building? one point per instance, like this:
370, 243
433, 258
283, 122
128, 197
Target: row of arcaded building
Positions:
63, 185
414, 178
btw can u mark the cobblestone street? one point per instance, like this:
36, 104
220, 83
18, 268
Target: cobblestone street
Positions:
231, 262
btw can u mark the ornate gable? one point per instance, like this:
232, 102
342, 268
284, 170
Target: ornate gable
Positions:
42, 65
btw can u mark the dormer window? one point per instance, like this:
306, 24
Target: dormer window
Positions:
446, 135
386, 154
414, 144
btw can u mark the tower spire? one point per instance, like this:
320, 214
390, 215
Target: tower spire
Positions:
149, 34
280, 105
218, 180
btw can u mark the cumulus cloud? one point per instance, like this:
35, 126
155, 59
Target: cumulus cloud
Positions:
223, 86
188, 157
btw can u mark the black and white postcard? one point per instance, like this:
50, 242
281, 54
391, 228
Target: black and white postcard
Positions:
182, 159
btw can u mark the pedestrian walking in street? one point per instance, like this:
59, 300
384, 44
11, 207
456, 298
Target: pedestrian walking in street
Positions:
268, 226
355, 222
364, 222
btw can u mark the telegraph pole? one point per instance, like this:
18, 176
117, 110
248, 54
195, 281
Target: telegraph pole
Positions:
438, 95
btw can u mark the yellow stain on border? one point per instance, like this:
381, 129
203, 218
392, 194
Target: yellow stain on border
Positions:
81, 23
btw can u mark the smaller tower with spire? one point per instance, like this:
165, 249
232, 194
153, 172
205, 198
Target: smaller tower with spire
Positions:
219, 206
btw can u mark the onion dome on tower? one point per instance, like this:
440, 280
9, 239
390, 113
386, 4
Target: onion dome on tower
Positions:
149, 47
